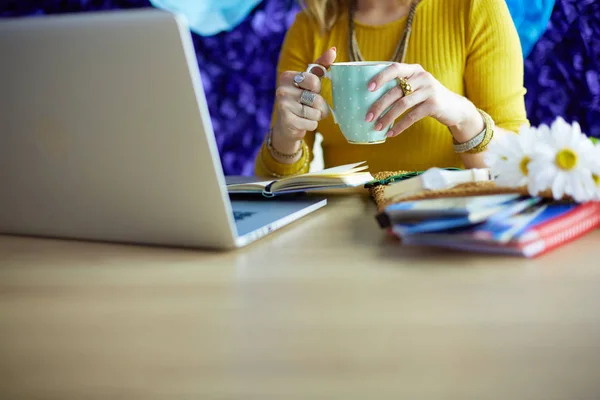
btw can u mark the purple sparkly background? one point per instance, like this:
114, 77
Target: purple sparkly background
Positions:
562, 71
239, 69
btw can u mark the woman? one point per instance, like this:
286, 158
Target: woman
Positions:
462, 61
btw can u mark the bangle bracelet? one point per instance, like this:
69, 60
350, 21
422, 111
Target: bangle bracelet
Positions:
302, 167
480, 142
279, 154
489, 134
470, 144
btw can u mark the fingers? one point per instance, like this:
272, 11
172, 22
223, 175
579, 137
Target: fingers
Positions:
325, 60
418, 113
385, 101
290, 109
293, 115
307, 112
395, 70
320, 105
402, 106
311, 82
418, 81
295, 123
290, 97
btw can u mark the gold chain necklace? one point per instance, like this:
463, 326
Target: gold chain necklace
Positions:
401, 48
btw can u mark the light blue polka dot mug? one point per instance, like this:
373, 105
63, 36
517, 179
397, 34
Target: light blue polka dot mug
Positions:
352, 99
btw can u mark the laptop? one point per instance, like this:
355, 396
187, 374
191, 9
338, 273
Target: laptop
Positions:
105, 135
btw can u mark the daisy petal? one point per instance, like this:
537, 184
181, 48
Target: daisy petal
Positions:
558, 186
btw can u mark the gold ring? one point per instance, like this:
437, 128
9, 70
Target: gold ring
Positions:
303, 111
405, 86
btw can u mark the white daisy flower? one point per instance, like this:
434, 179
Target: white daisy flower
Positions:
508, 158
563, 163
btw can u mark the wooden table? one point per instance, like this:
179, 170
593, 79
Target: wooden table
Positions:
328, 308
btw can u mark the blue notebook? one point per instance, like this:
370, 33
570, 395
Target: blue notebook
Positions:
445, 207
501, 231
491, 214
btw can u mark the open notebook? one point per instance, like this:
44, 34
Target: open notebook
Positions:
344, 176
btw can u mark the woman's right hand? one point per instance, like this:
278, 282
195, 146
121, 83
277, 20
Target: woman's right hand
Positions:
294, 119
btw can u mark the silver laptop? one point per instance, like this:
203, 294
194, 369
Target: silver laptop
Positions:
105, 135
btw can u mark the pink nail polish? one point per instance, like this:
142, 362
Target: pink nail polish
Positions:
378, 126
372, 86
369, 117
390, 134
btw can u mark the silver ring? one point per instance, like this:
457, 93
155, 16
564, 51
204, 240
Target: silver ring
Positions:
298, 79
307, 98
303, 111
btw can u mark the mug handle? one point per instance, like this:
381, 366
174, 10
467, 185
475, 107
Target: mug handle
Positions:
326, 74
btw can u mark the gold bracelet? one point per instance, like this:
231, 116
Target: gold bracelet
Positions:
489, 134
305, 154
279, 154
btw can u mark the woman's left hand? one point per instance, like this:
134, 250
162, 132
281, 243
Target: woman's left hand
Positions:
429, 98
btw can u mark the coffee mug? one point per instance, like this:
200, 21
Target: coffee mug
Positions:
352, 99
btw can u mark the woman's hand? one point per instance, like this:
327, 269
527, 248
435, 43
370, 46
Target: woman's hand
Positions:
293, 117
429, 99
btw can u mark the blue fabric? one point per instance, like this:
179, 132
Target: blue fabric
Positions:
209, 17
531, 18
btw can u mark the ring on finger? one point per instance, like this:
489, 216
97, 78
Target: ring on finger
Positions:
299, 78
405, 86
307, 98
304, 111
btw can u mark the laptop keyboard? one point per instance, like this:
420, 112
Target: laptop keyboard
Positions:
241, 215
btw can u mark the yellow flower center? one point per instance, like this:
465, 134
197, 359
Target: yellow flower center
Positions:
566, 159
504, 158
596, 179
525, 165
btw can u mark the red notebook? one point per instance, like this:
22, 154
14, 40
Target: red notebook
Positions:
559, 231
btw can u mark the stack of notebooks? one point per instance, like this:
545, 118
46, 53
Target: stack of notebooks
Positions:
502, 224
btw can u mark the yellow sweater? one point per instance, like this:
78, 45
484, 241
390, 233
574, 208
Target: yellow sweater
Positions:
470, 46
